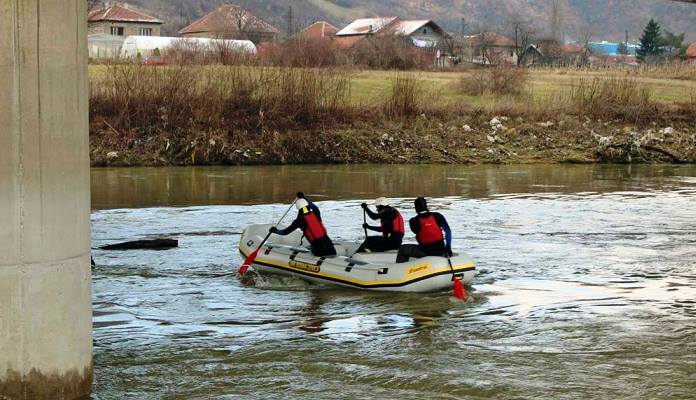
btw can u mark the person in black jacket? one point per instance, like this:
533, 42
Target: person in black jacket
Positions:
309, 220
391, 226
433, 235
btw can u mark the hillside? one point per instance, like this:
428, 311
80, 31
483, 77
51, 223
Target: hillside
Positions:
608, 19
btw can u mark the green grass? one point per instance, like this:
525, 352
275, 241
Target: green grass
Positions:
443, 87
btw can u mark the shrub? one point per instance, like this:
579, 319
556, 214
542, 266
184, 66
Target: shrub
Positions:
187, 52
313, 53
390, 53
405, 97
500, 81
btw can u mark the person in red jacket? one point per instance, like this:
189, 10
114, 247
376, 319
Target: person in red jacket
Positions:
391, 226
309, 220
433, 235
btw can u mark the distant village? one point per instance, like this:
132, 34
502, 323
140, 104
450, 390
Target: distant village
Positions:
120, 31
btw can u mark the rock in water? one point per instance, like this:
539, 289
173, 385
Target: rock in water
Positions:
154, 244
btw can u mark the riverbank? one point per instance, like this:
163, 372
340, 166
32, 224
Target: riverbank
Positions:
422, 140
239, 115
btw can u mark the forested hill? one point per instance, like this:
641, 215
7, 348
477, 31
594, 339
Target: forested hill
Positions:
607, 19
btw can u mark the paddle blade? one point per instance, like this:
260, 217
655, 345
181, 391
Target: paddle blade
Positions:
459, 291
247, 263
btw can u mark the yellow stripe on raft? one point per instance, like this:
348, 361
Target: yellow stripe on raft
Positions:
418, 272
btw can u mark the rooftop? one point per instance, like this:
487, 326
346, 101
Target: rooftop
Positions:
229, 18
691, 51
318, 30
364, 26
490, 39
121, 13
406, 28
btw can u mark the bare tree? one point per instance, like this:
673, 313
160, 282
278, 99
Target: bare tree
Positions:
586, 33
92, 4
485, 42
522, 34
241, 22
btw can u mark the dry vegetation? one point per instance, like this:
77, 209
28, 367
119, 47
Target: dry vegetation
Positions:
500, 81
192, 114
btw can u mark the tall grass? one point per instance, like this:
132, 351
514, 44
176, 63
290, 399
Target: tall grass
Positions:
182, 96
405, 97
658, 71
616, 97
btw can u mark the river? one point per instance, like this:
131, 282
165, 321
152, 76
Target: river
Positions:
586, 287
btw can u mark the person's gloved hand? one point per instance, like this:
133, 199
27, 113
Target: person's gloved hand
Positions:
300, 195
365, 226
273, 230
449, 251
364, 206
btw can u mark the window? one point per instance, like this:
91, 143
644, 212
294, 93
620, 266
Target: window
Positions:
117, 30
425, 31
145, 31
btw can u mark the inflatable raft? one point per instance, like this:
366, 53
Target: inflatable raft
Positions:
290, 255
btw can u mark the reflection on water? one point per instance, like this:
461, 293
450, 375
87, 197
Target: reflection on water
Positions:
151, 187
586, 288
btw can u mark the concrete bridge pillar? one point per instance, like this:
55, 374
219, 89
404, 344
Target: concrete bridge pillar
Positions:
45, 277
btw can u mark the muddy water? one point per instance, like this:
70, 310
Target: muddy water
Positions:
586, 287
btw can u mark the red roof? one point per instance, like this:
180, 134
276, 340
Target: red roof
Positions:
490, 39
227, 18
572, 48
691, 51
318, 30
121, 14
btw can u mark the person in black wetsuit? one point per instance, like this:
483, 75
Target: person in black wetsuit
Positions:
391, 226
429, 228
309, 220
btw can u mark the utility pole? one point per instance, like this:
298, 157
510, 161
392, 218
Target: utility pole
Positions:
291, 22
557, 20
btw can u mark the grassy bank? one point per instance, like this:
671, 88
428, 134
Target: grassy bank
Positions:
188, 115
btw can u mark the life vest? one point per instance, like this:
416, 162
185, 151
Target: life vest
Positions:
430, 231
397, 224
315, 230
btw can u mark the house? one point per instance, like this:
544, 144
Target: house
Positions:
231, 22
109, 26
550, 52
532, 55
423, 33
490, 48
122, 20
320, 30
420, 33
691, 54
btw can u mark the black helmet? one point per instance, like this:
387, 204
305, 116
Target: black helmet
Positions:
421, 205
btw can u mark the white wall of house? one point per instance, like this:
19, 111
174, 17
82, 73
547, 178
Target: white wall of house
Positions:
115, 28
428, 34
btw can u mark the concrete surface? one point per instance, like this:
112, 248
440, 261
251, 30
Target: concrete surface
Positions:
45, 276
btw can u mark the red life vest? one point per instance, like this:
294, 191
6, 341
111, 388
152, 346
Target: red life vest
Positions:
397, 224
315, 230
430, 232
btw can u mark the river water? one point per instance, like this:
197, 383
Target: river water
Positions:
586, 287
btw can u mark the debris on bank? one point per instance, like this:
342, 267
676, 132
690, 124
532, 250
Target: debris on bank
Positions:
422, 139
